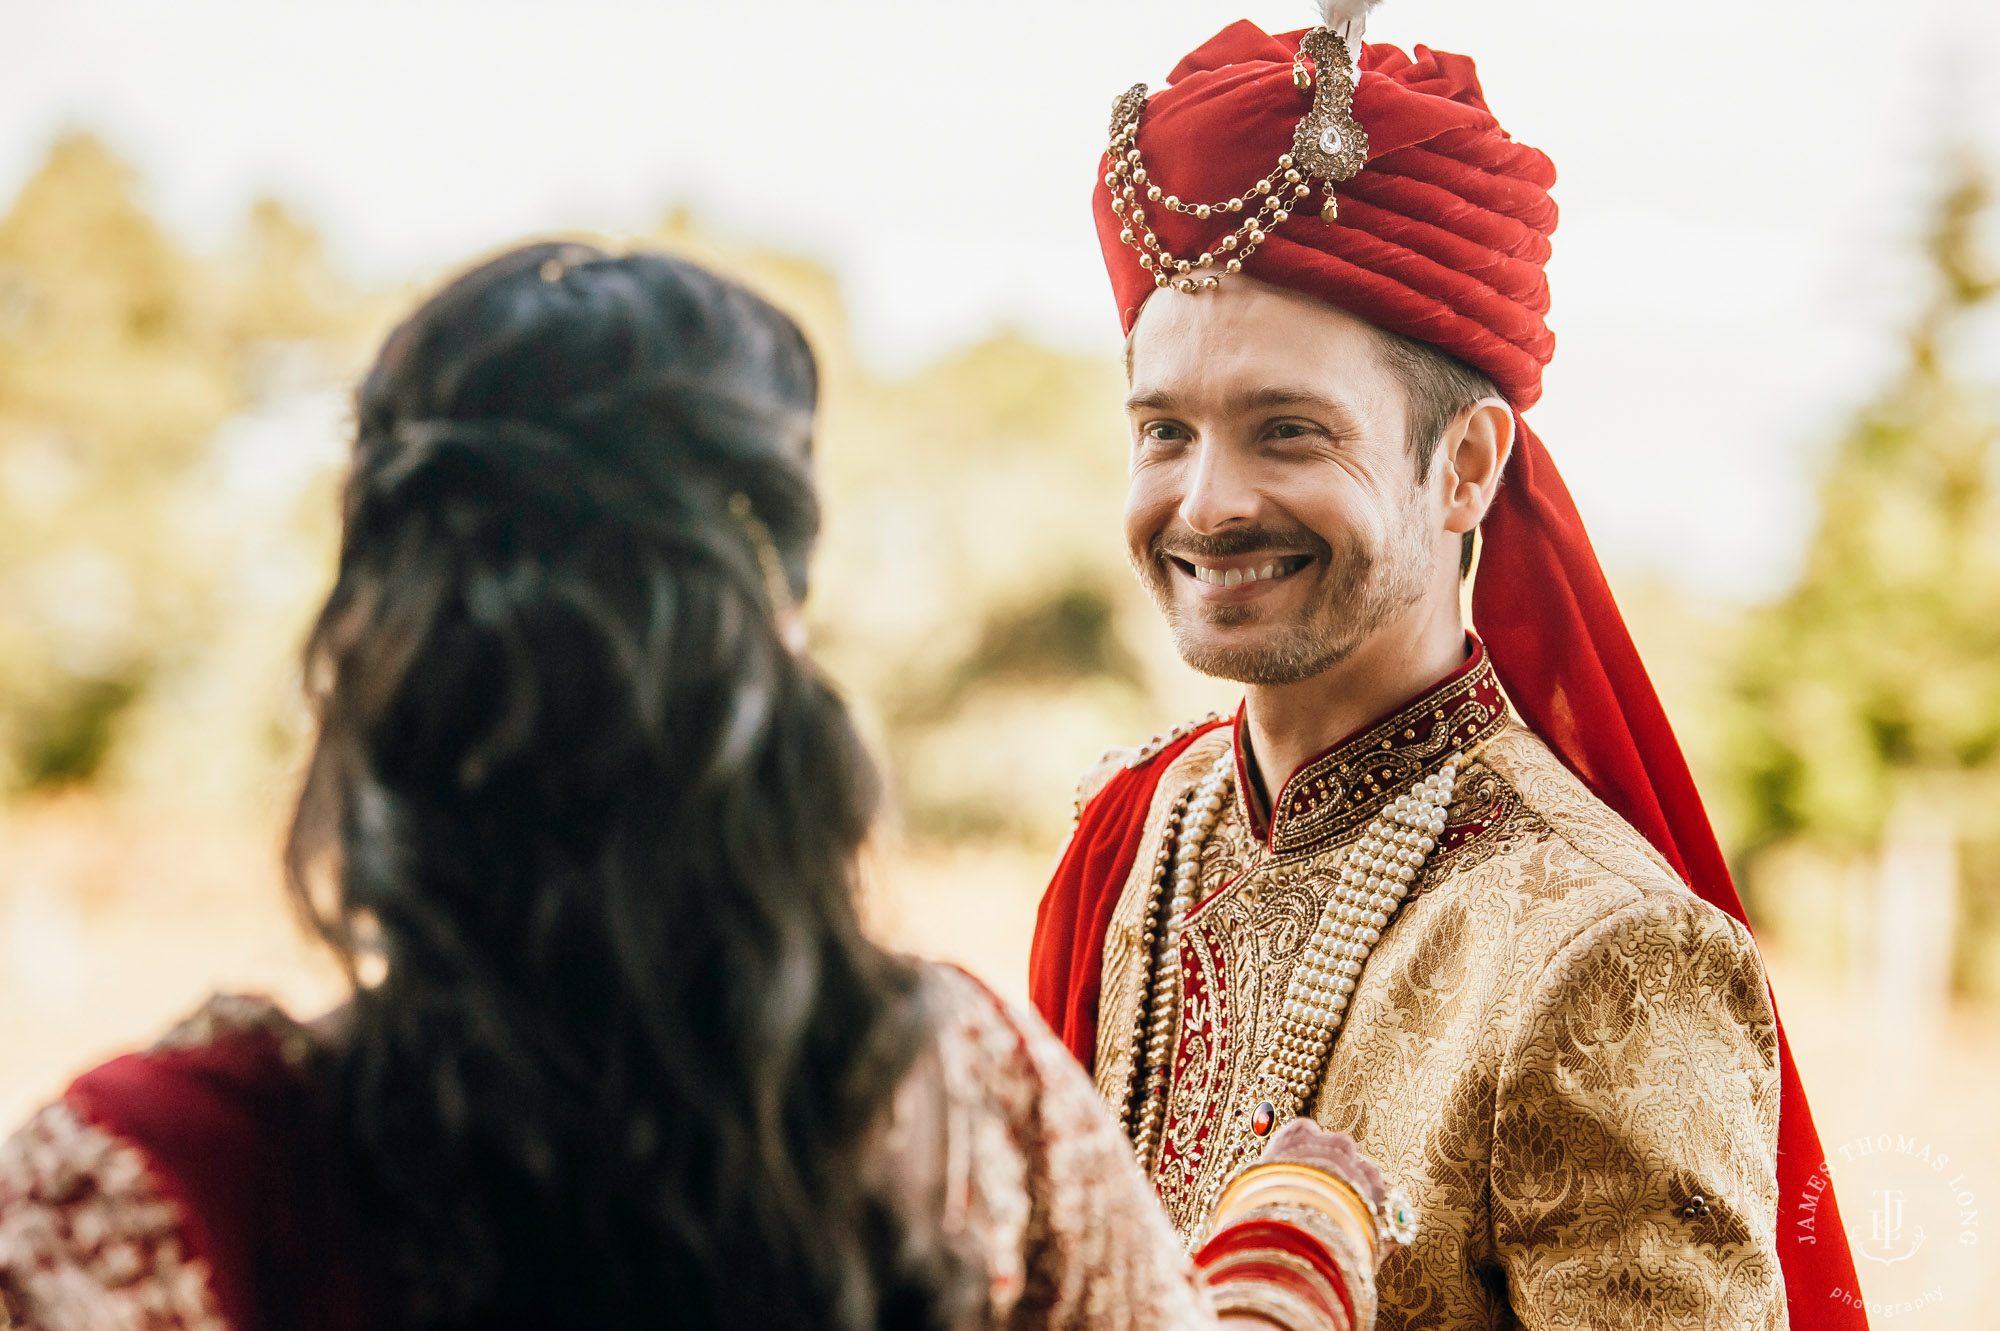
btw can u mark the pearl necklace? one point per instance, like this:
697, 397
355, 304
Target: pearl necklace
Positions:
1375, 877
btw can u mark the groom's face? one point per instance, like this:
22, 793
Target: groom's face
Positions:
1274, 511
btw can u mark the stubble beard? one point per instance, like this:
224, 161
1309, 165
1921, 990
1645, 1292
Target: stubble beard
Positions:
1362, 586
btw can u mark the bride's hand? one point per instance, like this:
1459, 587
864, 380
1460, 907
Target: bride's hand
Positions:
1304, 1142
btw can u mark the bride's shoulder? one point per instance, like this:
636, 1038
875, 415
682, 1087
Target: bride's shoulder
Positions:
225, 1020
98, 1189
1035, 1183
998, 1059
976, 1030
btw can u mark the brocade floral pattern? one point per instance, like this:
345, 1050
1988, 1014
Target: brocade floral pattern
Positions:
87, 1240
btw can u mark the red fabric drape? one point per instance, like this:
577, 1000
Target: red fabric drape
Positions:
240, 1142
1066, 963
1443, 238
1564, 656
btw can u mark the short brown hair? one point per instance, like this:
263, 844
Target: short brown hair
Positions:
1437, 386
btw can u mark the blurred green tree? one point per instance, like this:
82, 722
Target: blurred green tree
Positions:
158, 558
1876, 681
120, 357
111, 380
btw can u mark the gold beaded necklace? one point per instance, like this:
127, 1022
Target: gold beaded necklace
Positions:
1328, 145
1193, 821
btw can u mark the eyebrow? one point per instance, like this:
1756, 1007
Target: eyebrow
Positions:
1268, 398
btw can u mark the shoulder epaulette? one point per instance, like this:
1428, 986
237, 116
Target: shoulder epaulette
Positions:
1120, 758
1152, 747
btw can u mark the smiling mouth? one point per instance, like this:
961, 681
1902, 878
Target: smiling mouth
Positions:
1282, 567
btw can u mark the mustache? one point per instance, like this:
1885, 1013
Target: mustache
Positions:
1188, 544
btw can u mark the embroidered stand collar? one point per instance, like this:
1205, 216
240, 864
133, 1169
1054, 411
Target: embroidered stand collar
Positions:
1344, 786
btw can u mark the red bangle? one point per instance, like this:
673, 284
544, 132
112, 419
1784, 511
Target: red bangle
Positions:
1282, 1258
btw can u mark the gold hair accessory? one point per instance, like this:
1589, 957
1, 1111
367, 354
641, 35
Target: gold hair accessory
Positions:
570, 256
777, 586
1329, 145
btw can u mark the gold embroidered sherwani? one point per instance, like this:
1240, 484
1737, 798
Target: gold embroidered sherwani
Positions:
1566, 1059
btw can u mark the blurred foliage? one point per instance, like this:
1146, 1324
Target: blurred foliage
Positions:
171, 429
1876, 681
170, 432
1068, 635
971, 592
121, 356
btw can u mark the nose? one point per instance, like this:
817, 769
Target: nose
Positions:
1220, 491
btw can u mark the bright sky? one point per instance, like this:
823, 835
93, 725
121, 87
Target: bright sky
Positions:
1741, 185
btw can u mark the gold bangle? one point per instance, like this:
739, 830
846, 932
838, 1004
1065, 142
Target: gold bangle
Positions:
1281, 1183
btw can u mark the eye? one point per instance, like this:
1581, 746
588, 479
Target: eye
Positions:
1165, 432
1293, 430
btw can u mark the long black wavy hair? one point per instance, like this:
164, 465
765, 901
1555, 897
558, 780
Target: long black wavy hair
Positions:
595, 825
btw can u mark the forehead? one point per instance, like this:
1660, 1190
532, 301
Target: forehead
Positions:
1249, 334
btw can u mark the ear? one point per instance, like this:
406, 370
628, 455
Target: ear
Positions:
1470, 458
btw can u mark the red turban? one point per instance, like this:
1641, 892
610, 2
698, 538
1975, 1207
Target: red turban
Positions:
1442, 237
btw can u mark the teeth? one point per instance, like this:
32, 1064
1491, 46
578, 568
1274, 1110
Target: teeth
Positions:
1236, 577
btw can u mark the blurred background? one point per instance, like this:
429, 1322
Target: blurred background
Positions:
1777, 399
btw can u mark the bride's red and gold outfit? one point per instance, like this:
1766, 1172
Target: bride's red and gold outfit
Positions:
198, 1187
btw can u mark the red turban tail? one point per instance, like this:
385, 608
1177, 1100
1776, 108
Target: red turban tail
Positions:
1443, 238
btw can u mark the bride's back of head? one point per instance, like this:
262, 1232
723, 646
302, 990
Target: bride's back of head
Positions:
594, 825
